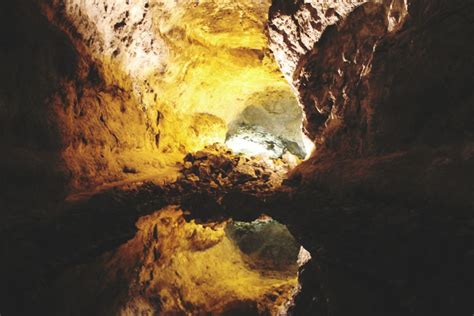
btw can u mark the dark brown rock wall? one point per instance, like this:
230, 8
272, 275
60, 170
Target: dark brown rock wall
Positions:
387, 97
33, 59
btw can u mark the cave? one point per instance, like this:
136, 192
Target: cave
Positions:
247, 157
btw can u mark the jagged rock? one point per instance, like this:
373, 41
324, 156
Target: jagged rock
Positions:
367, 106
387, 101
215, 176
387, 97
296, 26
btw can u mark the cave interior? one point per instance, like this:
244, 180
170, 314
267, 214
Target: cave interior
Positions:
247, 157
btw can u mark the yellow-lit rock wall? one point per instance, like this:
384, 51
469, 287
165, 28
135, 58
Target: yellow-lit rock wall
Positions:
160, 78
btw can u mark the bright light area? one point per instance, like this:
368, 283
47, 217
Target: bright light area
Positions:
240, 144
309, 146
256, 141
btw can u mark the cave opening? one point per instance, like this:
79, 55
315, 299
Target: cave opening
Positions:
271, 126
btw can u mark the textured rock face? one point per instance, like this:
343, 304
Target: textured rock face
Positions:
295, 26
387, 100
389, 78
125, 88
327, 89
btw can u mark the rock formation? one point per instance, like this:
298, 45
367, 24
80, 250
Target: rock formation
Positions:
382, 120
107, 96
295, 26
385, 90
129, 88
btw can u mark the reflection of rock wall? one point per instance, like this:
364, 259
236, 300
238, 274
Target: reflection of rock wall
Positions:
174, 267
268, 243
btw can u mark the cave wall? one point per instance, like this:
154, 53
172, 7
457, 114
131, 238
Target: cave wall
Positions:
34, 59
295, 26
386, 97
63, 126
102, 91
384, 202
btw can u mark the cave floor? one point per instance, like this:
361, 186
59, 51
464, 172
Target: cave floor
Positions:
166, 175
369, 256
